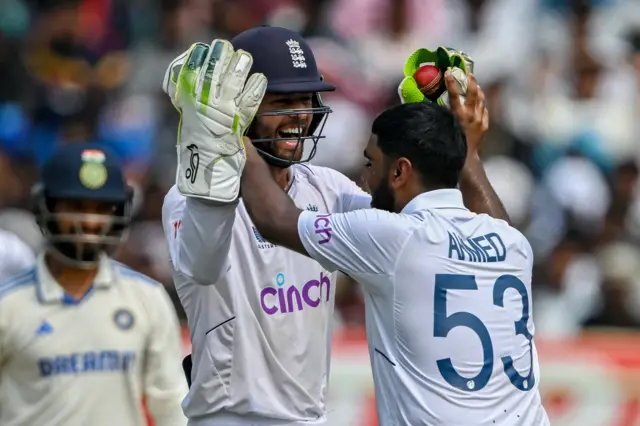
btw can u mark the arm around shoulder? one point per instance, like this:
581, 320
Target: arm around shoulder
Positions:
360, 242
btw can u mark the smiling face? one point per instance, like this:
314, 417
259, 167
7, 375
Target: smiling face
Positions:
286, 127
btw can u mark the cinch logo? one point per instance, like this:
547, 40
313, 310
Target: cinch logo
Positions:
290, 299
323, 227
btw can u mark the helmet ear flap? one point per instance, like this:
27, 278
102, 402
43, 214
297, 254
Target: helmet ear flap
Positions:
130, 191
37, 194
125, 209
39, 204
316, 102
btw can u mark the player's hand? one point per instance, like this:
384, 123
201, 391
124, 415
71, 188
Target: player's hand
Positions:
472, 114
446, 59
209, 87
250, 150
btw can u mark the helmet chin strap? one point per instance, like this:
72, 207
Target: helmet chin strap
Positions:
265, 149
271, 159
274, 161
266, 152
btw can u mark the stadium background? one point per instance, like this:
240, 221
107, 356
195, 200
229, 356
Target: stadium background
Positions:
562, 79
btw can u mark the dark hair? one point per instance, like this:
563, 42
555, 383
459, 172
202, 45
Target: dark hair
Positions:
429, 136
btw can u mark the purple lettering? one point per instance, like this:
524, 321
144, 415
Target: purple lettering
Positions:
305, 293
325, 280
268, 290
290, 293
322, 220
327, 232
288, 299
283, 305
323, 226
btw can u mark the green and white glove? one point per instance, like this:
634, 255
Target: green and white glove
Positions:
208, 85
446, 59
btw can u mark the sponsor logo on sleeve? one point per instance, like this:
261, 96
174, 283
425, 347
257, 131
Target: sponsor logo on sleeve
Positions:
322, 224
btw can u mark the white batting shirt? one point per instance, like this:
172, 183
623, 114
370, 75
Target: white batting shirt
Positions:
448, 310
89, 362
259, 315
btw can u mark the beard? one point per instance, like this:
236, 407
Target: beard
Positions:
287, 150
290, 150
382, 198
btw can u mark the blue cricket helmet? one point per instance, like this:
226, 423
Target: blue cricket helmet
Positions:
287, 61
82, 173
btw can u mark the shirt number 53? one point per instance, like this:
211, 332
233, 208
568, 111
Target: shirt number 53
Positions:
444, 323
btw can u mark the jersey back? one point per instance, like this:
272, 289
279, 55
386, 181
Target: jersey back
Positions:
448, 310
463, 285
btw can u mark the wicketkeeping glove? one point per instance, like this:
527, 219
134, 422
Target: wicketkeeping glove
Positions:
445, 59
208, 85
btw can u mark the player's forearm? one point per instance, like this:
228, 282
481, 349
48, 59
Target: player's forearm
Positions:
272, 211
478, 194
203, 240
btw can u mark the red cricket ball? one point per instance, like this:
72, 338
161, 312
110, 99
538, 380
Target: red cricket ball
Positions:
430, 81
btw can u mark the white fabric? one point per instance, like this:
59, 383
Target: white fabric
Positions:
89, 362
441, 283
15, 255
259, 315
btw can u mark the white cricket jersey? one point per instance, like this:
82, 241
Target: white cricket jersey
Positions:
15, 255
88, 362
259, 315
448, 310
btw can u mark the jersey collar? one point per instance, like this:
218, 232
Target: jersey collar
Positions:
50, 291
438, 199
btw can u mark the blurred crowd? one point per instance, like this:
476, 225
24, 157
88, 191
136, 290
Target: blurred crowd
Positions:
562, 79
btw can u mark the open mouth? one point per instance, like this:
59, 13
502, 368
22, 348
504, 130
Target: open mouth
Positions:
291, 136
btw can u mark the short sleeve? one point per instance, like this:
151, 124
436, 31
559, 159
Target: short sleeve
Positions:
360, 242
349, 195
353, 197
